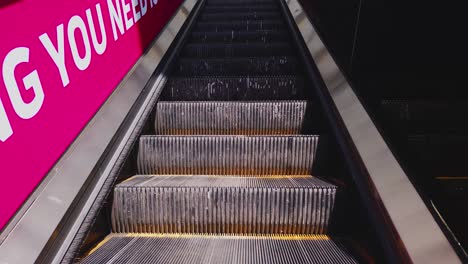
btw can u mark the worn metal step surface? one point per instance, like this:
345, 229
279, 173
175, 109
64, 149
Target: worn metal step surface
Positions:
234, 88
230, 117
210, 50
223, 204
284, 65
130, 248
264, 36
244, 25
228, 16
235, 3
238, 155
240, 8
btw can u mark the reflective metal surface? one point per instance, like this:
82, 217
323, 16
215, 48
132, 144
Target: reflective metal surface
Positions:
223, 204
235, 155
420, 235
214, 249
35, 224
230, 118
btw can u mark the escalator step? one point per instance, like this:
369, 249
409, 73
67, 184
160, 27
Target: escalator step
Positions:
223, 204
128, 248
244, 8
234, 88
237, 66
238, 155
230, 118
244, 25
237, 50
240, 16
264, 36
239, 2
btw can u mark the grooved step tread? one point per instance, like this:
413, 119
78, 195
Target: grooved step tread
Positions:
244, 8
222, 204
239, 155
273, 65
228, 16
264, 36
210, 50
230, 118
235, 3
128, 248
234, 88
245, 25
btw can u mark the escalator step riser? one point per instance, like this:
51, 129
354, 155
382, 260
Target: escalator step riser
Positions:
216, 9
219, 249
235, 88
243, 25
222, 205
230, 118
266, 36
240, 16
237, 66
237, 50
240, 2
227, 155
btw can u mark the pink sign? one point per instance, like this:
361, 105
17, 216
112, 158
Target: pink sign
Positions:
60, 60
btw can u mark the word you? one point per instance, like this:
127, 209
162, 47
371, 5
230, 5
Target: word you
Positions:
122, 16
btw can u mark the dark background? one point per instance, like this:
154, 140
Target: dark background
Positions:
410, 50
409, 47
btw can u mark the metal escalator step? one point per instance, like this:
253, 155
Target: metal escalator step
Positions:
131, 248
230, 118
255, 15
229, 155
237, 66
234, 88
237, 50
264, 36
245, 25
244, 8
240, 2
223, 205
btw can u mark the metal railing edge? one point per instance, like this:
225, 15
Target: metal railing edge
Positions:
415, 233
35, 225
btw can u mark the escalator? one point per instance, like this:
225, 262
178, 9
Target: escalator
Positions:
237, 162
